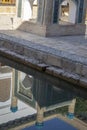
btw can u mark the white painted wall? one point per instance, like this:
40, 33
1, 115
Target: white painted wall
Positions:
72, 12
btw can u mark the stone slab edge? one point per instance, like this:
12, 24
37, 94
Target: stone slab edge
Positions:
68, 67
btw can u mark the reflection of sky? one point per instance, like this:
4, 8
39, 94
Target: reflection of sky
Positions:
54, 124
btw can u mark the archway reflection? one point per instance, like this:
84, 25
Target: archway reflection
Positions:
44, 93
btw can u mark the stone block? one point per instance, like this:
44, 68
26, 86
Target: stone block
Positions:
1, 43
83, 82
49, 70
27, 52
42, 57
84, 71
78, 68
68, 65
54, 60
19, 49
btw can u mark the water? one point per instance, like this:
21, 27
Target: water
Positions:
50, 93
53, 124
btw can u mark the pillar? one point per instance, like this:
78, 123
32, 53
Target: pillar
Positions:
84, 11
14, 100
40, 117
80, 15
40, 11
56, 7
71, 109
48, 12
19, 8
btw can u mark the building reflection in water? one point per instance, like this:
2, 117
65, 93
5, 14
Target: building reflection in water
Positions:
44, 93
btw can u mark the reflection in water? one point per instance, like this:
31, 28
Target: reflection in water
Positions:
43, 91
43, 95
51, 124
46, 93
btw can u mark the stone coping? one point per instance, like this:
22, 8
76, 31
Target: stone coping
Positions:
35, 51
40, 47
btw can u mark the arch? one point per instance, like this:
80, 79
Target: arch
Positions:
76, 1
57, 10
68, 11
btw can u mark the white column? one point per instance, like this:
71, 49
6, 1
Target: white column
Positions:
14, 100
71, 109
40, 117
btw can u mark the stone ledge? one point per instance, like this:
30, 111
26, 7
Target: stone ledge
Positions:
46, 68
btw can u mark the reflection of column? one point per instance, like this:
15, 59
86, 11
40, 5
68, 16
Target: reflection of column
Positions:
71, 109
39, 119
14, 106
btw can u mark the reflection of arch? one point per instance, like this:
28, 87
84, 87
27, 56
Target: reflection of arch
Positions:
68, 11
29, 10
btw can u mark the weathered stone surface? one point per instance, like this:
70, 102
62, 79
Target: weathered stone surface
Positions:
83, 82
68, 65
41, 55
54, 60
61, 55
84, 71
78, 68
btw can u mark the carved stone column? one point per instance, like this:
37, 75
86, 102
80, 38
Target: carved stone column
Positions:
71, 109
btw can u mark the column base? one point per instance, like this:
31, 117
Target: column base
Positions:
39, 125
14, 109
70, 115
